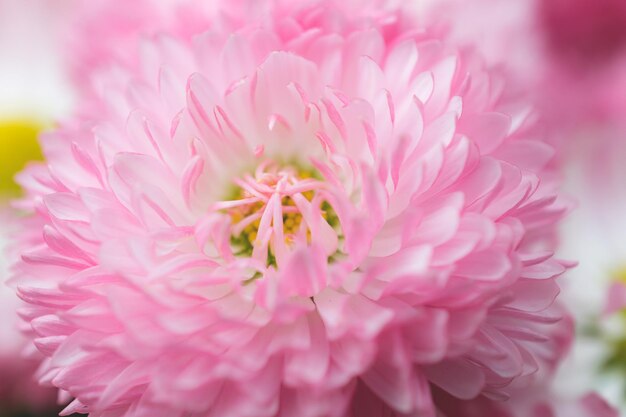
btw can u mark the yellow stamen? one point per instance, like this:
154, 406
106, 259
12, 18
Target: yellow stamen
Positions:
292, 220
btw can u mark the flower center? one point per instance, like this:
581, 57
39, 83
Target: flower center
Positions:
277, 208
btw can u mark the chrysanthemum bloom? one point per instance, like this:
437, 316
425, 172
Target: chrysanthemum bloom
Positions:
323, 214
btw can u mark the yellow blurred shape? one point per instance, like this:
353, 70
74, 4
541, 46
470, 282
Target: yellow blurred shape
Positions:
18, 145
620, 275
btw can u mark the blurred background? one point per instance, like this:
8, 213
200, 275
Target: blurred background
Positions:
569, 56
33, 94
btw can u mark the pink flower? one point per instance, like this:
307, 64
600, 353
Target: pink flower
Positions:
587, 32
585, 42
321, 214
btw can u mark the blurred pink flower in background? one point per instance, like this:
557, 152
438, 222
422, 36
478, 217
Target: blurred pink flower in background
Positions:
587, 33
327, 212
586, 43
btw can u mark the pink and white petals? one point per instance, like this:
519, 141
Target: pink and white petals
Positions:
318, 209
